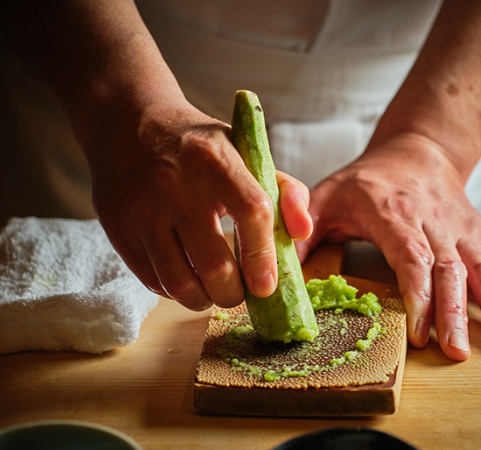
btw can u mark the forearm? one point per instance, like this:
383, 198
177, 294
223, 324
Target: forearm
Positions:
441, 98
97, 58
163, 172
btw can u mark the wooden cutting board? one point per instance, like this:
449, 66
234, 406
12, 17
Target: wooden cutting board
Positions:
365, 400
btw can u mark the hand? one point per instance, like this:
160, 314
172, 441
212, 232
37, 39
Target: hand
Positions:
160, 195
407, 199
163, 173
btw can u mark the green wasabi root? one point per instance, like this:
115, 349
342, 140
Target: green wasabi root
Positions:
287, 314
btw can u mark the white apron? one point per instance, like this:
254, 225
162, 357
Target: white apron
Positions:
324, 78
324, 71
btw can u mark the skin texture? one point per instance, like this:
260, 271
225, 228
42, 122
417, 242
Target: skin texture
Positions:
164, 173
405, 193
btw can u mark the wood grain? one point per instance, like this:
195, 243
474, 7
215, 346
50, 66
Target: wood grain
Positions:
369, 399
146, 390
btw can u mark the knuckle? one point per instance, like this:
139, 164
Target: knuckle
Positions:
451, 269
259, 256
454, 309
417, 253
215, 269
259, 209
197, 144
210, 154
201, 146
181, 289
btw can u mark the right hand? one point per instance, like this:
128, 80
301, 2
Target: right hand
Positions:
163, 172
159, 194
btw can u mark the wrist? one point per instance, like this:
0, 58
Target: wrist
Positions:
440, 100
413, 154
446, 127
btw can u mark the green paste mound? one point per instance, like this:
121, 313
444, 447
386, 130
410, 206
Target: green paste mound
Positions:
335, 293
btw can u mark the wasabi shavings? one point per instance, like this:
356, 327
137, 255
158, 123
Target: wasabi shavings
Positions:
328, 298
222, 316
240, 332
335, 293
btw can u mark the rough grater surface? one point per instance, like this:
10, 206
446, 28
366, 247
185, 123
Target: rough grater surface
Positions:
338, 334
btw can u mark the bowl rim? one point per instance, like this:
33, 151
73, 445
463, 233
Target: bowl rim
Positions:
72, 423
349, 429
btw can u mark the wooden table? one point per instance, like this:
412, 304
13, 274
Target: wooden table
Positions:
145, 390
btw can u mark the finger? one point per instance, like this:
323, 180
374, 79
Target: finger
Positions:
471, 256
408, 253
257, 247
212, 259
252, 211
174, 271
450, 289
294, 202
137, 260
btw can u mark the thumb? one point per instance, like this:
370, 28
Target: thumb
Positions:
294, 204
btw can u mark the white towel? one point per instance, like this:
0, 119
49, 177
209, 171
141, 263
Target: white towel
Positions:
63, 287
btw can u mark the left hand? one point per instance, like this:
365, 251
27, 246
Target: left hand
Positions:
407, 198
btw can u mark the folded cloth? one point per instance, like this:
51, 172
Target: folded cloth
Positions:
63, 287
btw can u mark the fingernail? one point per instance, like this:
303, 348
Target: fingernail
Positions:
263, 284
202, 306
422, 330
205, 306
459, 340
159, 292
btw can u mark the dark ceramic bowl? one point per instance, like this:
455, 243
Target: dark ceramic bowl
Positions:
343, 438
64, 435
